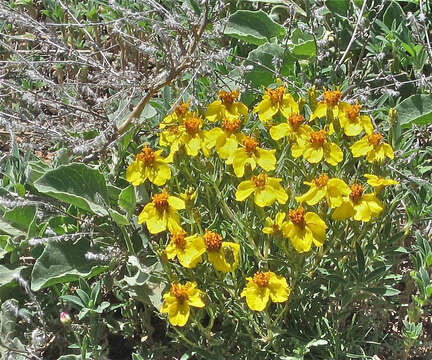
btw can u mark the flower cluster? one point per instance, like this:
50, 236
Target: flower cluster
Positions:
320, 139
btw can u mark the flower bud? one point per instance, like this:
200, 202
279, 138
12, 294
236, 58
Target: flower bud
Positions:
65, 319
392, 115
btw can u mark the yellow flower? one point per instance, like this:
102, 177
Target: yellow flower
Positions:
275, 226
162, 213
333, 190
378, 181
188, 250
223, 255
265, 286
226, 139
303, 229
329, 107
316, 147
170, 124
373, 147
352, 122
179, 299
266, 190
274, 101
191, 137
292, 129
227, 107
361, 206
251, 154
150, 165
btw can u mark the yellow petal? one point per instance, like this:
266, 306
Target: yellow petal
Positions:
279, 289
277, 189
277, 132
176, 203
332, 153
336, 190
160, 173
178, 315
134, 173
214, 111
320, 111
147, 213
192, 145
264, 197
361, 147
266, 159
256, 297
266, 110
244, 189
345, 211
367, 124
312, 196
226, 148
195, 298
313, 154
240, 158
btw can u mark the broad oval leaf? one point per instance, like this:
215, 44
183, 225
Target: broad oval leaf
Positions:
62, 262
75, 184
417, 109
253, 27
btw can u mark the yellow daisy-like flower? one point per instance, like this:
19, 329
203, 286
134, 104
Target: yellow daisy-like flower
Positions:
352, 122
150, 165
162, 213
170, 124
378, 181
226, 139
265, 286
223, 255
191, 137
303, 229
329, 107
227, 107
333, 190
274, 227
266, 190
179, 299
373, 147
274, 101
292, 129
316, 147
362, 207
187, 249
251, 154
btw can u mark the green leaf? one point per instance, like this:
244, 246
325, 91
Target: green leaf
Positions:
393, 13
304, 50
8, 275
417, 109
23, 218
383, 291
118, 218
253, 27
360, 260
127, 200
338, 7
70, 357
75, 184
74, 300
63, 262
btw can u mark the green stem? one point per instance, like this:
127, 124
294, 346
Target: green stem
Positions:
128, 241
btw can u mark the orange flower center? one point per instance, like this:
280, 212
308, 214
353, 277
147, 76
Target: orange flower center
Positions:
356, 192
353, 111
276, 95
160, 201
181, 109
331, 98
231, 125
212, 241
227, 97
321, 180
297, 216
180, 292
173, 129
250, 144
146, 155
259, 180
317, 138
295, 120
192, 124
374, 139
179, 239
261, 279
